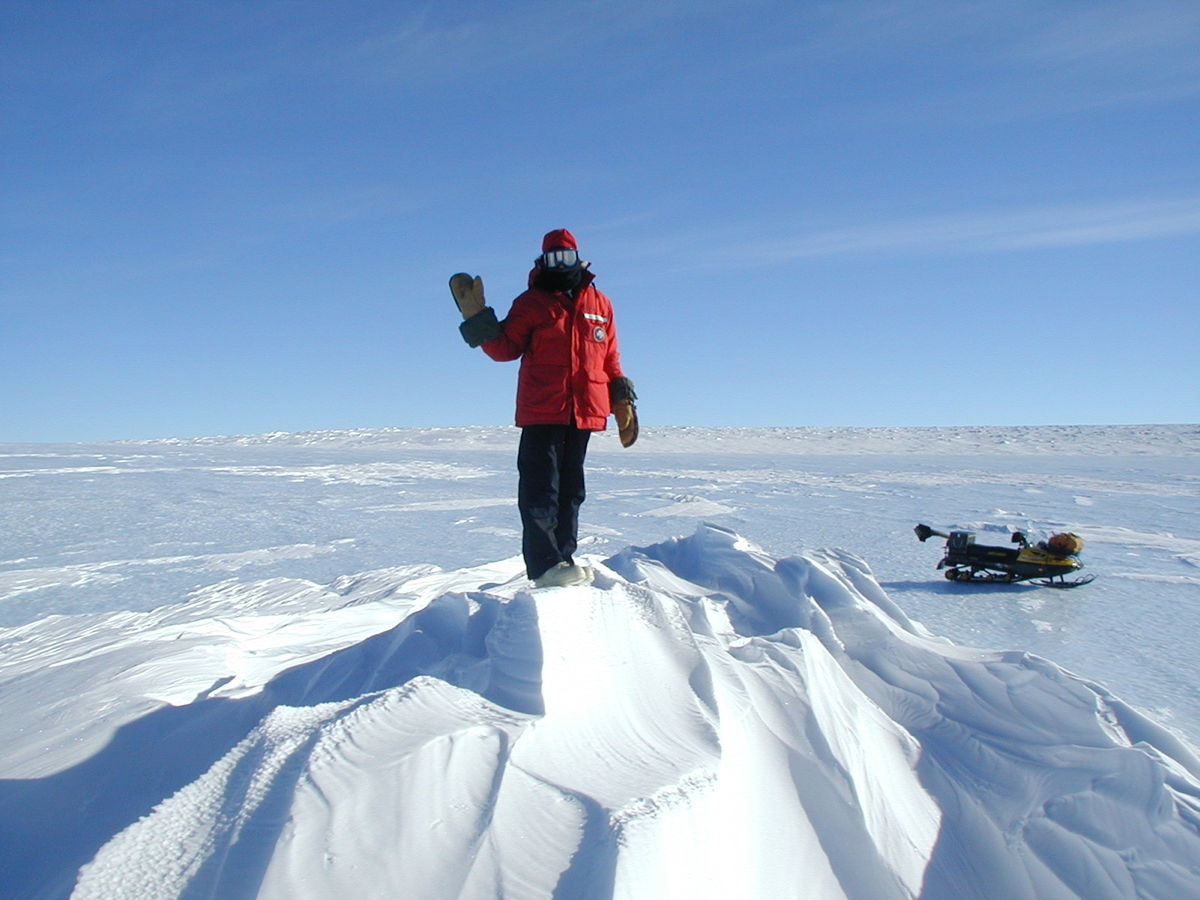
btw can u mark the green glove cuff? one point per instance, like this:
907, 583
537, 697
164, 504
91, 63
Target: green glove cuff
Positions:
480, 328
621, 388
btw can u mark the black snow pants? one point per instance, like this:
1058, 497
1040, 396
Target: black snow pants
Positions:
550, 491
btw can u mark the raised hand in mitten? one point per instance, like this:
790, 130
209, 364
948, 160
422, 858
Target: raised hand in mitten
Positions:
479, 320
468, 294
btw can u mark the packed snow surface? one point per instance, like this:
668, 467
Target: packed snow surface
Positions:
303, 666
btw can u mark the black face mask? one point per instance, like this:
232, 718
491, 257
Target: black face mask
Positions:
564, 280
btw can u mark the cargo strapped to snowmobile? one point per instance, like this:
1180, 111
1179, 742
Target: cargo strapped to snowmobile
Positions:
1065, 544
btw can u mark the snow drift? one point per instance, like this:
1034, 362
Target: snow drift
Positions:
703, 721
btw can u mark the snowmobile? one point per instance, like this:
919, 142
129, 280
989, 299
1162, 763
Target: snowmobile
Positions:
1046, 563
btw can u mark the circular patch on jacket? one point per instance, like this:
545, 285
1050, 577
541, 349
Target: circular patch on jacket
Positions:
599, 334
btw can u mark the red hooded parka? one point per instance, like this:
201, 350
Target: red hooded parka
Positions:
568, 351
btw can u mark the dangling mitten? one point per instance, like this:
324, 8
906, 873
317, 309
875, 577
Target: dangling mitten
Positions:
624, 406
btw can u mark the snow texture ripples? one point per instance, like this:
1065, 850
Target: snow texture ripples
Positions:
703, 721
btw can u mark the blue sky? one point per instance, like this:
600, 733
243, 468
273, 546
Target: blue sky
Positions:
223, 218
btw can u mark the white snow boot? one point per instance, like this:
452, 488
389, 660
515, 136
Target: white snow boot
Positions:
563, 575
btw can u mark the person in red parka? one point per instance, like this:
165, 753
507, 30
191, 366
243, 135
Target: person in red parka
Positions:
563, 331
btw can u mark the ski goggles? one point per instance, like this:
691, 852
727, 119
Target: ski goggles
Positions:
560, 259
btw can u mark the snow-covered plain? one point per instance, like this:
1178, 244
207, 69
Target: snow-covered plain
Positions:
308, 665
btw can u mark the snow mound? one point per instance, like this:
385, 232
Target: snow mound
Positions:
703, 721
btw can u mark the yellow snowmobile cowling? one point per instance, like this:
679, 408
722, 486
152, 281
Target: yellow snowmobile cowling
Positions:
1043, 556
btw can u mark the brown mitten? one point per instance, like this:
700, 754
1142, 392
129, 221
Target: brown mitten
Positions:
479, 323
468, 294
624, 407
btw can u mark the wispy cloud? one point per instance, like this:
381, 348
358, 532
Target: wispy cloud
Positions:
423, 47
1114, 54
1116, 33
1014, 59
980, 232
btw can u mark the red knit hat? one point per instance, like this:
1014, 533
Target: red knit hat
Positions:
557, 239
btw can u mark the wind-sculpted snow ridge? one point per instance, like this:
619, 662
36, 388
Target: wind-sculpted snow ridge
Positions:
702, 722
